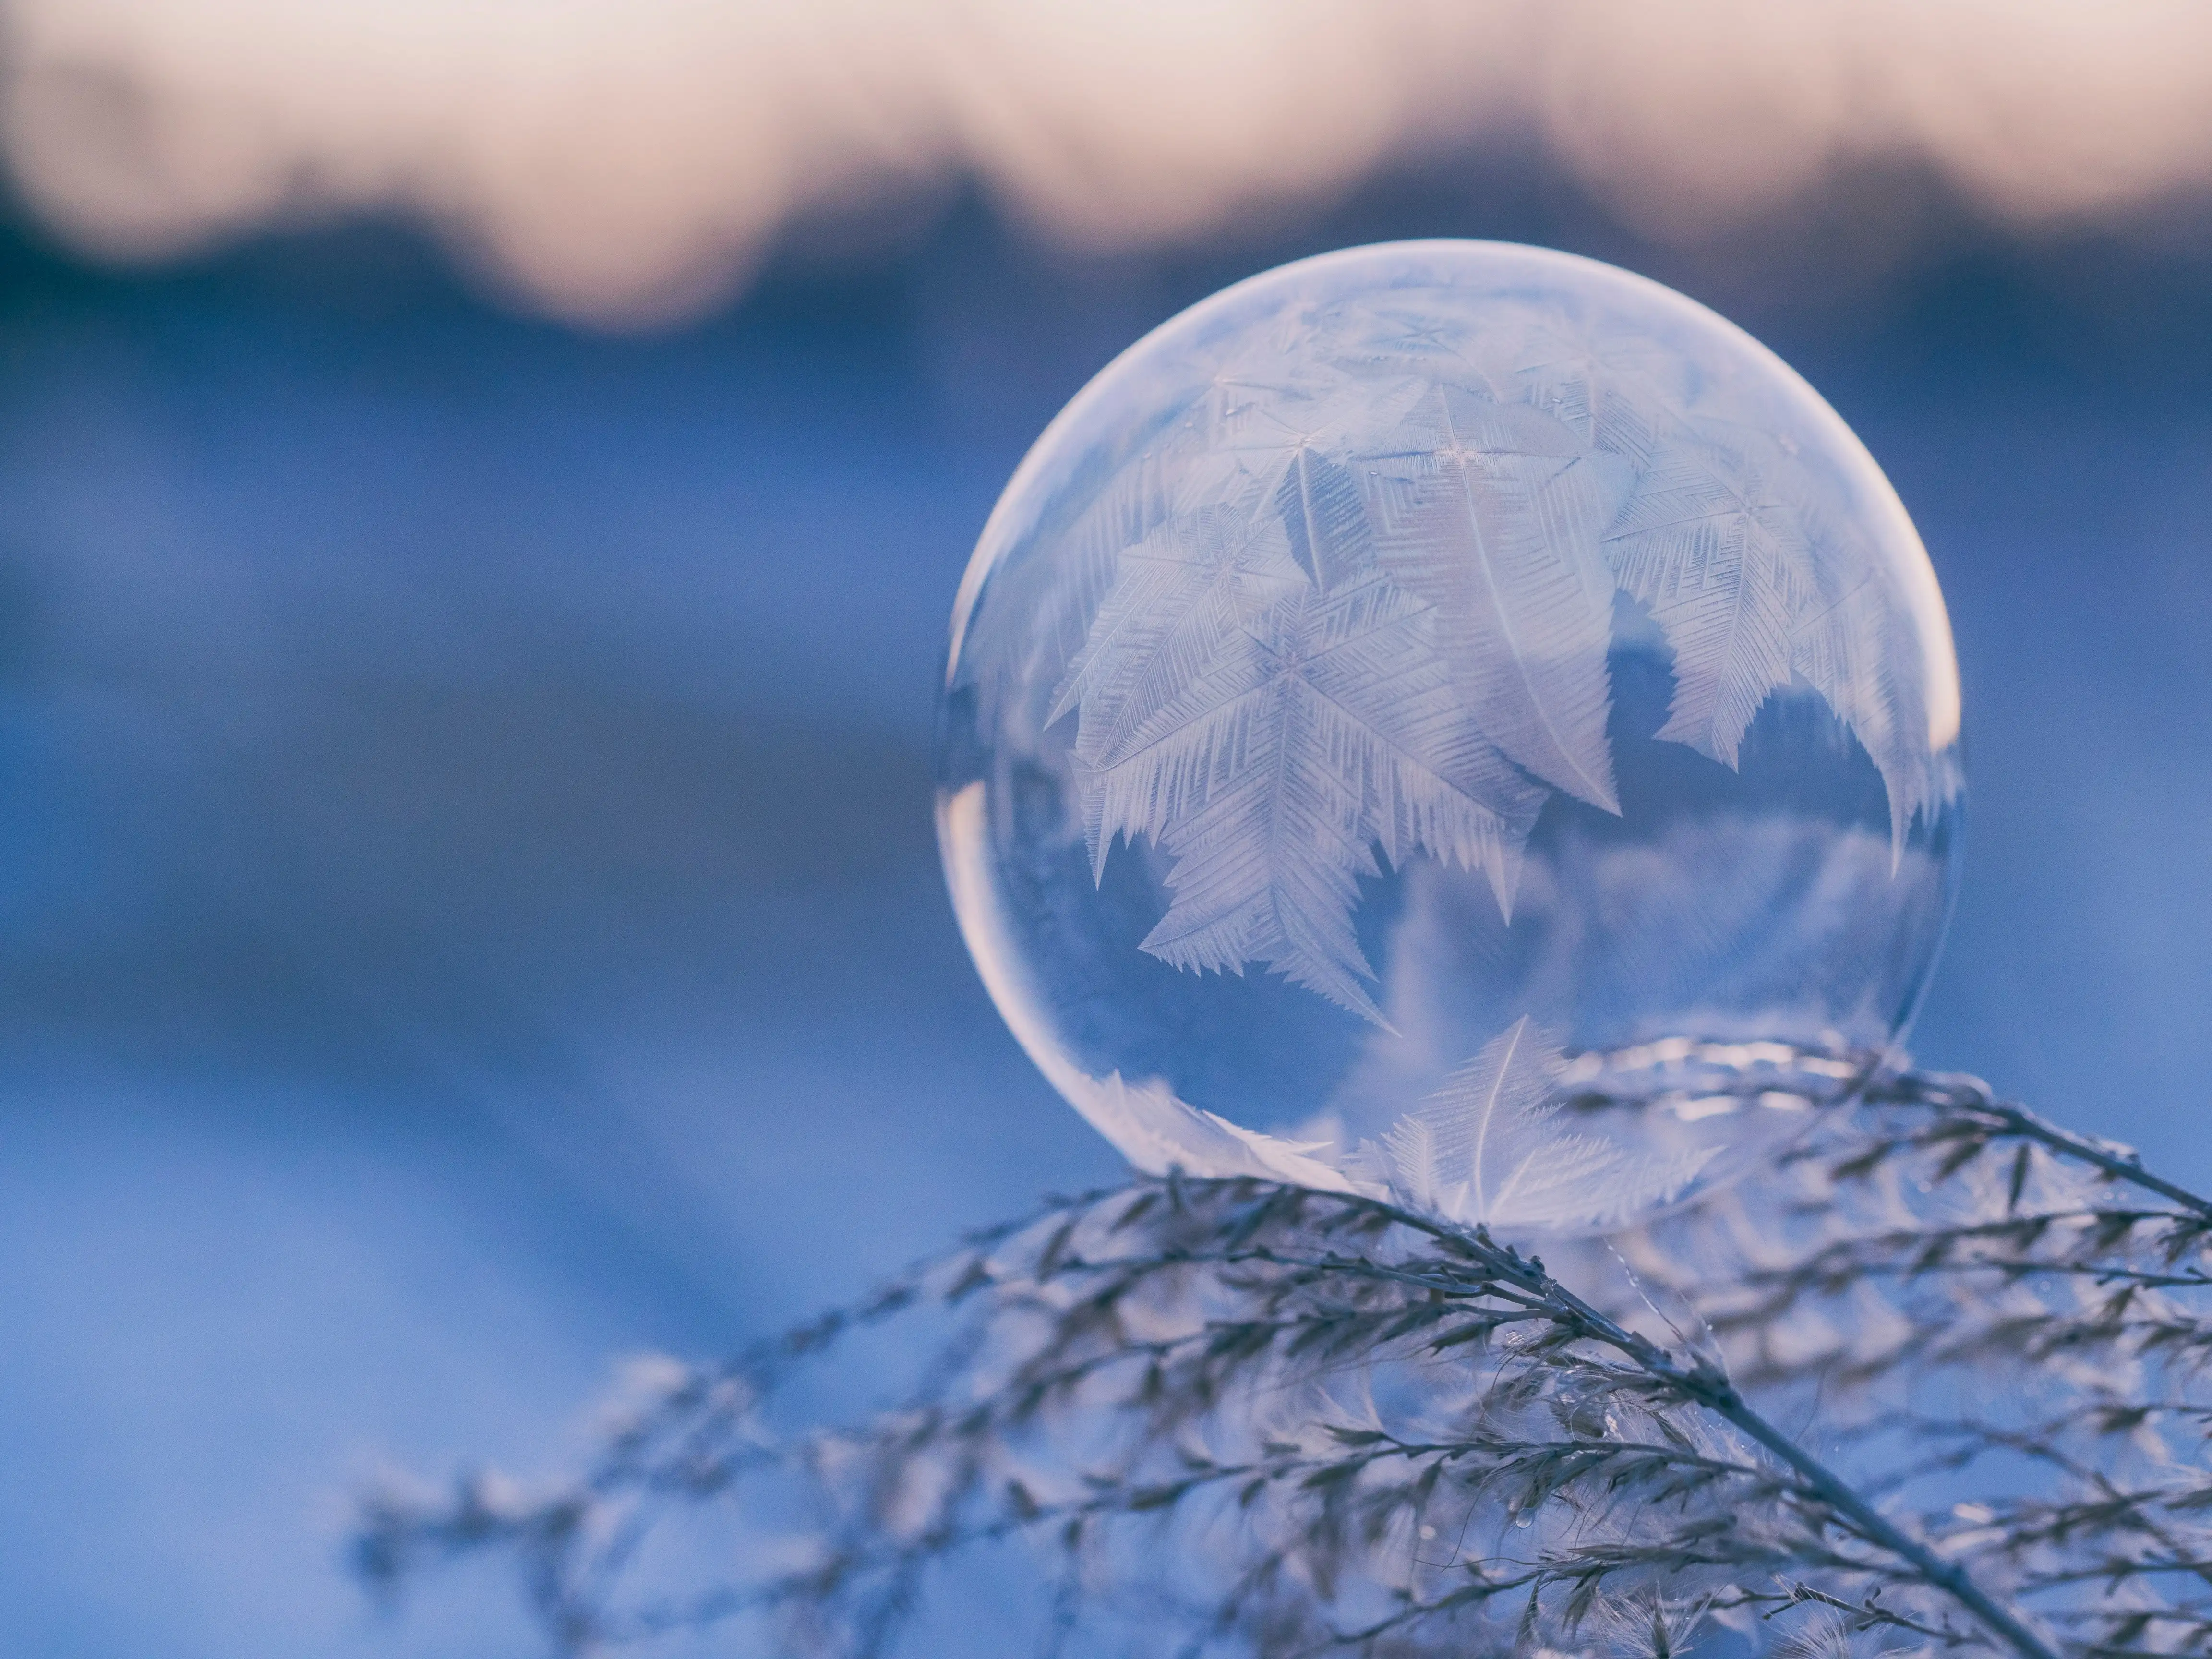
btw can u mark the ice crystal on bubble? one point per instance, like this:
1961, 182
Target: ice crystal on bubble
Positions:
1492, 1149
1420, 557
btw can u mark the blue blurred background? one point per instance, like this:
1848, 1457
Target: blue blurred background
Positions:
468, 909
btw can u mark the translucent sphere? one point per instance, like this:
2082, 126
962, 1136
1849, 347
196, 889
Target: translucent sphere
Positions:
1455, 721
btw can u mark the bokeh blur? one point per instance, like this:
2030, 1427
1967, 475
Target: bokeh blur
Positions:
481, 489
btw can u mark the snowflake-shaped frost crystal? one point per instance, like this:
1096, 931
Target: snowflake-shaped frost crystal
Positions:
1456, 721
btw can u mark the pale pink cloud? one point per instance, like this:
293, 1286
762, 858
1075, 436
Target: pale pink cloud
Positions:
624, 160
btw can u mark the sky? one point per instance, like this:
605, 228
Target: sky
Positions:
632, 163
469, 911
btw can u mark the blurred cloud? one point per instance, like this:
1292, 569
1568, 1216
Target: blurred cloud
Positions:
625, 161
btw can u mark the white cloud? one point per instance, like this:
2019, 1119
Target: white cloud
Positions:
623, 160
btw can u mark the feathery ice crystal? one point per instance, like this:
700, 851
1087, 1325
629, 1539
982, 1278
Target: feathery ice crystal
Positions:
1455, 722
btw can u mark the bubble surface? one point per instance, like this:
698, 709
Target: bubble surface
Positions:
1455, 721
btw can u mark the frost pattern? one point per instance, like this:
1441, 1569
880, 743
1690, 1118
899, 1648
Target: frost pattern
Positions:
1157, 1133
1324, 727
1356, 602
1725, 572
1491, 513
1487, 1149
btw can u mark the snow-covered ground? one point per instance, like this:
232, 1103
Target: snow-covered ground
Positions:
469, 910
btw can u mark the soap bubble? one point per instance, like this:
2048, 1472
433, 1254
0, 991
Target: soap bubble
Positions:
1453, 721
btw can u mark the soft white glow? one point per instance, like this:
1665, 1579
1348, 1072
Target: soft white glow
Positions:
623, 160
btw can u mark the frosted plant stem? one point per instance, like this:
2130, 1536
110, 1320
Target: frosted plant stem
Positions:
1708, 1387
1972, 1098
2120, 1166
1242, 1286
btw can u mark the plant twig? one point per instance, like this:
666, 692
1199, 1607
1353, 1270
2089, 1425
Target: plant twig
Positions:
1295, 1423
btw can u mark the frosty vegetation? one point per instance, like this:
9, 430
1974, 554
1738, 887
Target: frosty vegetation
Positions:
1497, 1147
1934, 1385
1357, 603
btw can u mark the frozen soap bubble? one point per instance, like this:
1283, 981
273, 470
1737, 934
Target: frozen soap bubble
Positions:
1457, 722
